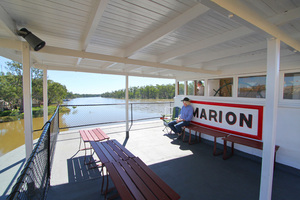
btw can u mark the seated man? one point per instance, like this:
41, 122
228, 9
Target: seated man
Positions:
184, 119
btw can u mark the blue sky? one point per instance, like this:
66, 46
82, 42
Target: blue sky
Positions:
89, 83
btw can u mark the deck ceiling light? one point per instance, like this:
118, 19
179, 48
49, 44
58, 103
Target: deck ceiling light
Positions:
35, 42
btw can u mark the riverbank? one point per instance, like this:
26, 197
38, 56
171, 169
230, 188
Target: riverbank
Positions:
14, 115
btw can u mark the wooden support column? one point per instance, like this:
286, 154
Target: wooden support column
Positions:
270, 119
45, 95
27, 101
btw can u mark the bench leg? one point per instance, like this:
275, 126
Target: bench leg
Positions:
215, 148
195, 140
80, 143
225, 156
183, 137
190, 137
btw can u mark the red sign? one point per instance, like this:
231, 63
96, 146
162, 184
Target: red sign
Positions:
239, 119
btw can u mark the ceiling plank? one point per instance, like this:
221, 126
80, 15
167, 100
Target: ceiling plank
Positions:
229, 35
288, 16
240, 9
166, 29
102, 57
285, 17
279, 19
242, 59
225, 53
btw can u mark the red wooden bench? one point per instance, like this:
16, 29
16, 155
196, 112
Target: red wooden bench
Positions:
95, 135
133, 179
208, 131
111, 151
244, 141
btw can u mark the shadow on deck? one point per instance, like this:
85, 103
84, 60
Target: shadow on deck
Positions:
191, 170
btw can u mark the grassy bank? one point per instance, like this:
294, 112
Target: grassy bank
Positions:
13, 115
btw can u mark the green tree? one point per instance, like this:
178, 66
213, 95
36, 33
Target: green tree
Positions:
145, 92
56, 92
12, 89
9, 91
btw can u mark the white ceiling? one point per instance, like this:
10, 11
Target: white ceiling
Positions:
178, 39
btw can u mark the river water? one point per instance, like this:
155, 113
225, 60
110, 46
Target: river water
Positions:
12, 133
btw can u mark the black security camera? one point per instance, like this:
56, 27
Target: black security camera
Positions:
35, 42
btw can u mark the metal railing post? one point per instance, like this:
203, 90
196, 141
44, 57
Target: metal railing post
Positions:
49, 152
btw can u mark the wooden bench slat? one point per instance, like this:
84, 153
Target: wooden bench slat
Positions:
132, 187
102, 135
247, 142
206, 130
88, 134
93, 136
119, 151
162, 185
138, 181
122, 147
84, 135
244, 141
160, 194
100, 152
110, 151
120, 186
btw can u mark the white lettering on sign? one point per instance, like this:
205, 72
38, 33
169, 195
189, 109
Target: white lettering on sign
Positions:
239, 119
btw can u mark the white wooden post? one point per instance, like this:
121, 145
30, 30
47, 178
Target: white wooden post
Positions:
45, 95
176, 87
127, 107
270, 119
27, 101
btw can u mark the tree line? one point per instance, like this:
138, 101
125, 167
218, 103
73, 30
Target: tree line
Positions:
11, 90
144, 92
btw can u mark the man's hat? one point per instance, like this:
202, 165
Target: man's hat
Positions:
185, 99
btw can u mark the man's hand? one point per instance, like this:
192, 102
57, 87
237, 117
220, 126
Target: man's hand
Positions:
179, 120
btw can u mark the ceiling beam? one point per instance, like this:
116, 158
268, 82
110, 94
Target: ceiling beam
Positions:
8, 23
11, 44
166, 29
102, 57
251, 16
58, 67
96, 15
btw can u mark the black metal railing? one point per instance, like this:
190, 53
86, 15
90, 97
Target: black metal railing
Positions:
34, 180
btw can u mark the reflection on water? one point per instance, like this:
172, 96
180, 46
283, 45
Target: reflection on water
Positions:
12, 133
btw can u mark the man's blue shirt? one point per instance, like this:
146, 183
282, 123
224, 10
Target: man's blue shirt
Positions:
187, 113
